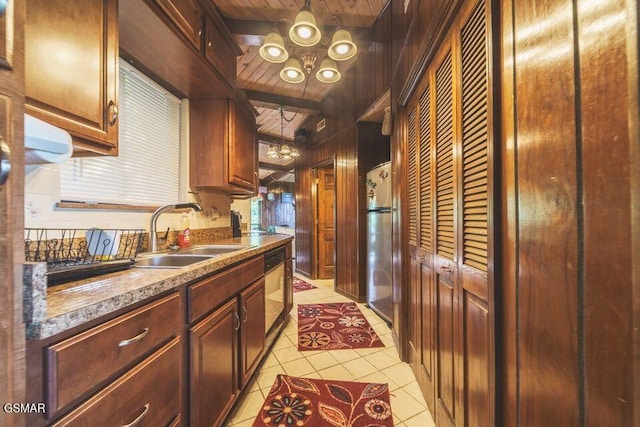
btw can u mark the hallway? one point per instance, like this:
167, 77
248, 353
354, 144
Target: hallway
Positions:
380, 365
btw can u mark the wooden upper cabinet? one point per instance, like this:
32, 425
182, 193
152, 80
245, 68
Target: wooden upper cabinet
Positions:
187, 16
218, 51
71, 69
223, 152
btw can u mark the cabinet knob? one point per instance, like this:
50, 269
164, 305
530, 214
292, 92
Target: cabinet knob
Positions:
114, 113
5, 161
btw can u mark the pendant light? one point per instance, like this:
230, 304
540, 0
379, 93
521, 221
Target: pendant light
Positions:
272, 49
342, 46
292, 71
304, 31
328, 71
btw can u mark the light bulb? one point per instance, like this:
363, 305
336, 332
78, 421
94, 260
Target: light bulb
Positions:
292, 73
328, 74
304, 31
342, 48
274, 51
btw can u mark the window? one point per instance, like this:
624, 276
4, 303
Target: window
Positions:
146, 171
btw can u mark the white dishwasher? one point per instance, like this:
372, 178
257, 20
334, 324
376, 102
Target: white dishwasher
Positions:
274, 286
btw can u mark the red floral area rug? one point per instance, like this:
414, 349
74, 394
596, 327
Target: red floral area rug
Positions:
300, 285
334, 326
295, 401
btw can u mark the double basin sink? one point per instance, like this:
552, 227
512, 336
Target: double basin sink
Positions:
187, 257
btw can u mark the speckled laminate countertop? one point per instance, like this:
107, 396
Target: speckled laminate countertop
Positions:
63, 307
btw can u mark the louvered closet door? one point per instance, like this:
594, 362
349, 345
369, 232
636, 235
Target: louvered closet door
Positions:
474, 216
444, 259
428, 336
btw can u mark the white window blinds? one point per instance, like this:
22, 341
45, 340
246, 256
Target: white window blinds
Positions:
146, 171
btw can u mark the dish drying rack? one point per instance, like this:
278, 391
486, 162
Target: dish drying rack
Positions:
73, 254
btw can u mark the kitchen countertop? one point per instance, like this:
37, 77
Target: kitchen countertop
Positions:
63, 307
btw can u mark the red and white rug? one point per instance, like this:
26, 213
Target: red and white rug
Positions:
334, 326
300, 285
295, 401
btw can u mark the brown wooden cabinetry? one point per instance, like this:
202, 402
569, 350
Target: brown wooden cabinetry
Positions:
450, 225
223, 150
147, 395
213, 375
71, 69
187, 17
252, 331
217, 51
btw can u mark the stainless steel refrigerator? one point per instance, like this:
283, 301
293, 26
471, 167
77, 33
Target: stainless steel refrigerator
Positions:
379, 251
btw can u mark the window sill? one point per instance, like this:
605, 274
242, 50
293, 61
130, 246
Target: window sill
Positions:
104, 206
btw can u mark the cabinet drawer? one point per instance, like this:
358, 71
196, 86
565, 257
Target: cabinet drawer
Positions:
147, 395
210, 293
89, 358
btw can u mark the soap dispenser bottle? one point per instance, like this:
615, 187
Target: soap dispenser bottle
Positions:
185, 242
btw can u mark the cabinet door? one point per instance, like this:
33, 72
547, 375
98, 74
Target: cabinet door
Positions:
187, 16
71, 69
288, 293
213, 372
218, 52
242, 148
252, 337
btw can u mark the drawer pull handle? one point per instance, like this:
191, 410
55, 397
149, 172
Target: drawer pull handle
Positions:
140, 417
244, 310
131, 340
114, 115
238, 319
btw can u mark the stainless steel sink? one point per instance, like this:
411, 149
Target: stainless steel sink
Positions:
170, 261
212, 250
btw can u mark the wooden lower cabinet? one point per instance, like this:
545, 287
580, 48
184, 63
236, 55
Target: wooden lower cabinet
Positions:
252, 330
213, 376
147, 395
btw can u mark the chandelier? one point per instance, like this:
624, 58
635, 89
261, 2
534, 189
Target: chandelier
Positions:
283, 151
305, 33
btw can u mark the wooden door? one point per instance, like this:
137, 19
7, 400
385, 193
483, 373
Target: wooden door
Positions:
71, 69
213, 372
252, 333
242, 150
474, 216
446, 286
12, 374
325, 220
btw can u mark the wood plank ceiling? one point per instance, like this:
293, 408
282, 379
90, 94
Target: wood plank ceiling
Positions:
251, 20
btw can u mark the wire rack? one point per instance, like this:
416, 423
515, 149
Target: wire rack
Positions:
73, 254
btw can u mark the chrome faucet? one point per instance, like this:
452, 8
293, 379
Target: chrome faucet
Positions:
153, 235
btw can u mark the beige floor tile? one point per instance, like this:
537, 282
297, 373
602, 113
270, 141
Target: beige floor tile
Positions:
414, 390
382, 360
359, 367
245, 423
343, 356
338, 372
288, 354
403, 405
401, 374
282, 342
266, 377
393, 352
368, 351
423, 419
298, 368
321, 360
270, 361
249, 407
380, 378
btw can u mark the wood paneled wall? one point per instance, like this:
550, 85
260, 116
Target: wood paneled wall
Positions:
569, 352
278, 213
342, 141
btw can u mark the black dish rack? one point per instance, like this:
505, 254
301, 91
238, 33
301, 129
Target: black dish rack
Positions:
73, 254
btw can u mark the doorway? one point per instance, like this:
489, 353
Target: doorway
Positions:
323, 194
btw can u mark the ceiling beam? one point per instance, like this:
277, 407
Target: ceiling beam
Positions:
289, 103
271, 139
273, 178
274, 167
251, 33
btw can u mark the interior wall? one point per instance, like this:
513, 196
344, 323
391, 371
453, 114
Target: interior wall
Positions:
569, 339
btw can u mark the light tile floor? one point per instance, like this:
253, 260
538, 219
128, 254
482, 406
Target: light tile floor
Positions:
380, 365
